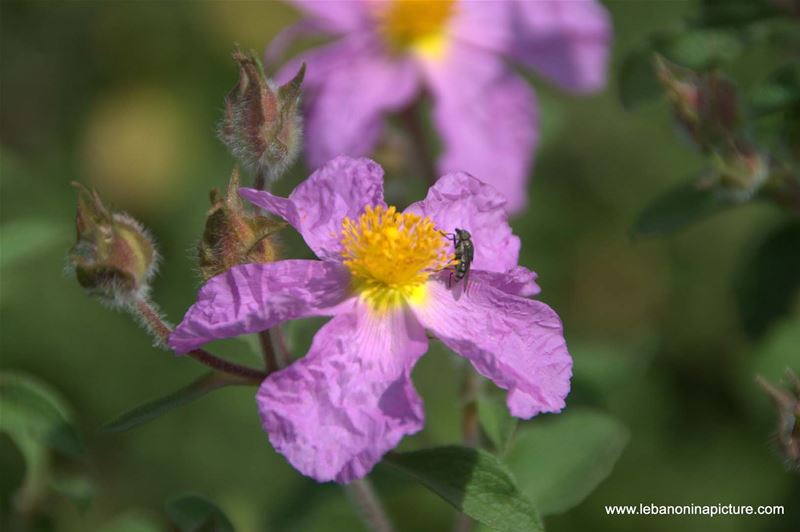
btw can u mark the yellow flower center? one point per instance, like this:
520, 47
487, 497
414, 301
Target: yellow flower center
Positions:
390, 255
416, 25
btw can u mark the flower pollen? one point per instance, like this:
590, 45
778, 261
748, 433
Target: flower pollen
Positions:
391, 255
416, 25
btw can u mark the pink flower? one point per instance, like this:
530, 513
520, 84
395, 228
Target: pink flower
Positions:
384, 277
388, 51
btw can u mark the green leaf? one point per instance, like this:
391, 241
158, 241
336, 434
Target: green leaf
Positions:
473, 481
769, 282
680, 207
496, 421
78, 488
193, 513
153, 409
32, 409
637, 82
37, 420
561, 459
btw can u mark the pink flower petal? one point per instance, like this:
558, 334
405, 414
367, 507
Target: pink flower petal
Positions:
519, 280
316, 208
566, 40
254, 297
516, 342
487, 118
349, 86
337, 15
459, 200
334, 413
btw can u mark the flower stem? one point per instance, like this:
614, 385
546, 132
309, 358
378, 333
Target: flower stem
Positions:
410, 118
219, 364
469, 397
362, 495
268, 351
261, 180
470, 389
152, 319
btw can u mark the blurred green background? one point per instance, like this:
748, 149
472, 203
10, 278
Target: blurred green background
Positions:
125, 96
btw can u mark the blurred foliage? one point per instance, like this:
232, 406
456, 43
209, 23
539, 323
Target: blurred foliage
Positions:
666, 333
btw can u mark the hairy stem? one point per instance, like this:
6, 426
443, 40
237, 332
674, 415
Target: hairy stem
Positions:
362, 495
148, 313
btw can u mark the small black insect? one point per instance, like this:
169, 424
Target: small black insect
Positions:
464, 254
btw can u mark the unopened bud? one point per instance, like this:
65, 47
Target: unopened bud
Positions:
740, 170
113, 257
706, 104
787, 404
262, 126
234, 235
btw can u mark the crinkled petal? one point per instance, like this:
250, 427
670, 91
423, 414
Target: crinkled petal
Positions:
253, 297
487, 118
316, 208
350, 85
516, 342
334, 413
518, 280
566, 40
459, 200
336, 15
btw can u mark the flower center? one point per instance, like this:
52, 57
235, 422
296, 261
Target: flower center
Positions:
417, 25
390, 255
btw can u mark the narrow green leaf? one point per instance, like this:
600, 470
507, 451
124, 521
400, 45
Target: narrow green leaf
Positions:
561, 459
193, 513
153, 409
496, 421
637, 82
680, 207
473, 481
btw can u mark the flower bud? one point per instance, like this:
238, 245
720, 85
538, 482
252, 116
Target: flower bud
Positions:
233, 235
740, 170
113, 257
787, 404
706, 104
262, 127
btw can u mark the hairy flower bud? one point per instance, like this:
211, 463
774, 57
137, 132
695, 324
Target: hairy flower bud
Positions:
262, 126
787, 403
113, 257
233, 235
706, 104
740, 169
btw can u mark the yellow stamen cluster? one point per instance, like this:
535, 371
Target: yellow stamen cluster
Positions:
416, 25
391, 255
